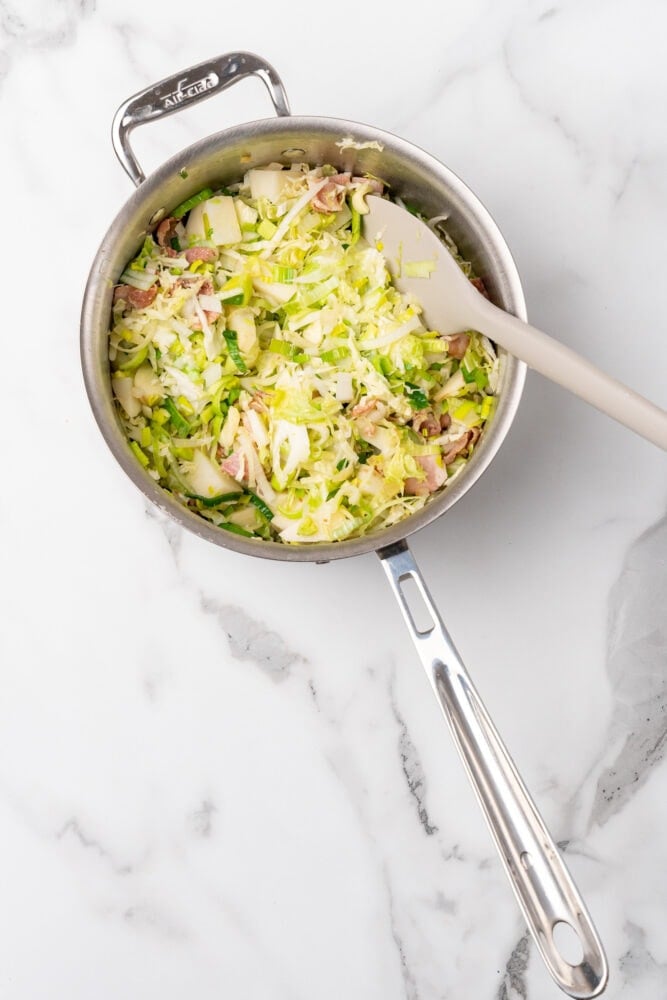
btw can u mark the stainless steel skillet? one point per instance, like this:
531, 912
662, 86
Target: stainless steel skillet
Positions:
542, 885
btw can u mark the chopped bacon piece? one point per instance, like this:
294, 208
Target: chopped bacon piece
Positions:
166, 232
435, 476
235, 465
426, 423
375, 409
257, 402
200, 253
480, 286
457, 345
463, 443
365, 406
137, 298
330, 198
207, 289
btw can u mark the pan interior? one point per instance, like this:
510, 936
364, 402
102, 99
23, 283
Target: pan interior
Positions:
222, 158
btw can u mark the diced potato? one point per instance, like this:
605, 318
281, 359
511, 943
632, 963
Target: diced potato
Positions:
122, 388
344, 387
341, 218
222, 220
207, 479
231, 425
275, 291
310, 221
268, 182
242, 320
211, 374
247, 215
313, 333
248, 517
147, 386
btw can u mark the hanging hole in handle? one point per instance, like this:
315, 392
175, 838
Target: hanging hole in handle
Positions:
420, 615
567, 942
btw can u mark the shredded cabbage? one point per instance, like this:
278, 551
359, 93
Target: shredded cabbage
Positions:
269, 375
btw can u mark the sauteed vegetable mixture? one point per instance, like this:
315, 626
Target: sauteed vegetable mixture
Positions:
269, 375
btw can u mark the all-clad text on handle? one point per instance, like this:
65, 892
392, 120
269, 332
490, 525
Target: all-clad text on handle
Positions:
183, 89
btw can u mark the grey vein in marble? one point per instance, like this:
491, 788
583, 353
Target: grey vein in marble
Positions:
250, 639
637, 669
201, 819
513, 986
413, 769
553, 117
445, 905
72, 828
170, 529
409, 979
145, 914
22, 28
638, 961
626, 179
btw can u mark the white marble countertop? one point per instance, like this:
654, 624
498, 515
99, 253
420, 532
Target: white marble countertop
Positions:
221, 777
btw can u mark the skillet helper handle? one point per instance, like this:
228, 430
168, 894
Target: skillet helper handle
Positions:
541, 882
186, 88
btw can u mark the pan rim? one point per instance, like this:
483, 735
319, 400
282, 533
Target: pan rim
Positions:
319, 552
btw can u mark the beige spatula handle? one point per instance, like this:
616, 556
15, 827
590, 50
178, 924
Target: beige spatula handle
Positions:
562, 365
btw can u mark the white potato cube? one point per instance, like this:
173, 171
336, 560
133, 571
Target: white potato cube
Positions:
344, 387
223, 224
268, 183
122, 388
207, 479
242, 321
275, 291
247, 215
147, 386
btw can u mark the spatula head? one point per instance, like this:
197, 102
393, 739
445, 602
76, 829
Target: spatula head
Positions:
446, 295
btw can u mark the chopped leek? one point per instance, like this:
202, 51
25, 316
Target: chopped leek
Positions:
263, 508
189, 203
231, 338
141, 455
179, 422
236, 529
214, 501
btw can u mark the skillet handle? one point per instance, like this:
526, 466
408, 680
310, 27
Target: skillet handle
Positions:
185, 88
541, 882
